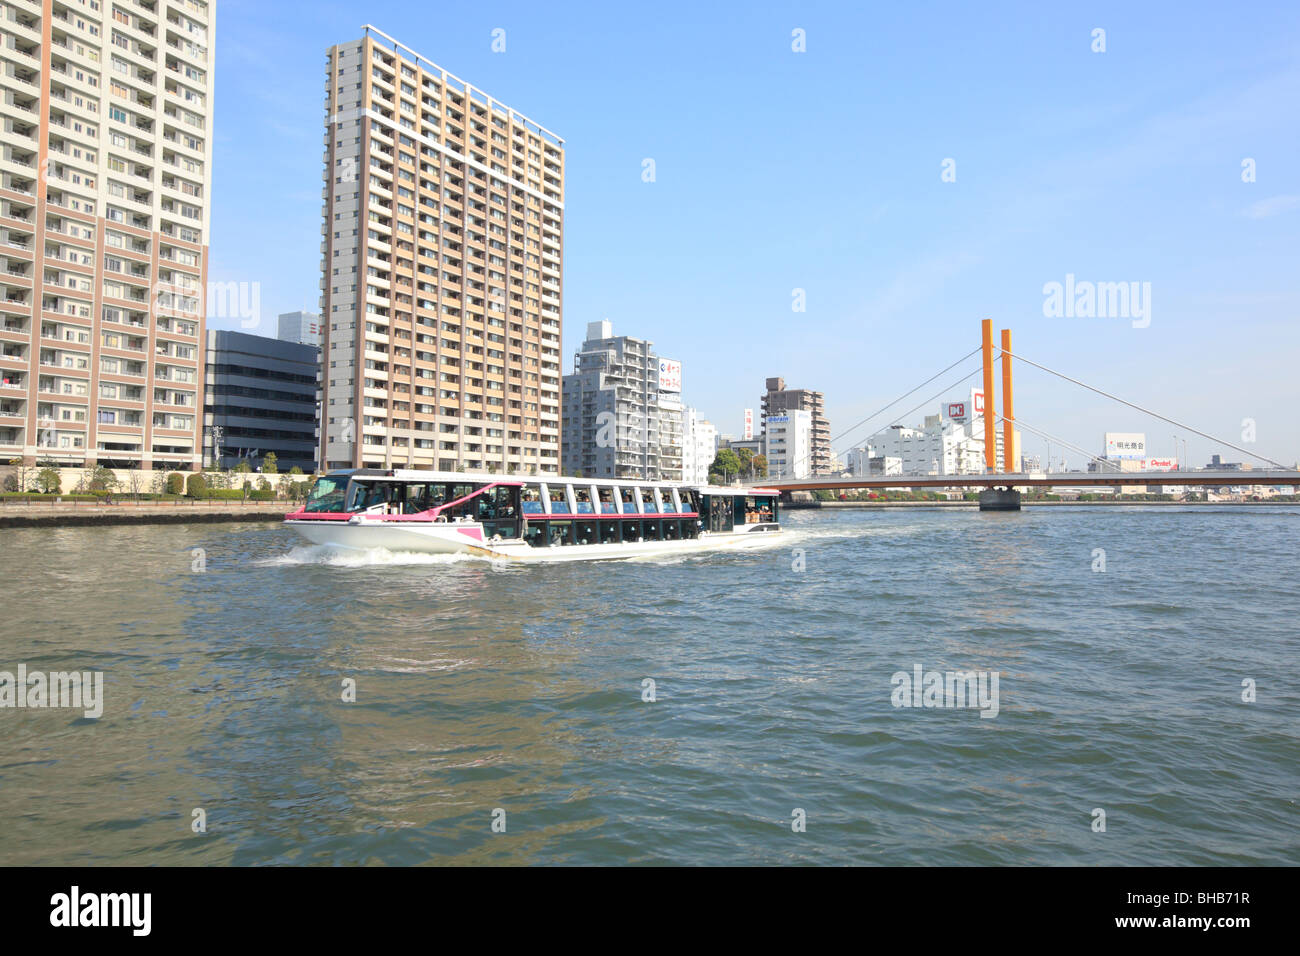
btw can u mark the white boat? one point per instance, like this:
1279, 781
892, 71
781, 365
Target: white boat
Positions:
540, 518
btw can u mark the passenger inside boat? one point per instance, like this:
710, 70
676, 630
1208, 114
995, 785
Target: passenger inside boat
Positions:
757, 510
532, 501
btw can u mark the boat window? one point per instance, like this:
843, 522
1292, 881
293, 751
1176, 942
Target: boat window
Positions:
650, 531
743, 507
672, 530
629, 500
673, 501
607, 506
327, 495
365, 495
609, 532
583, 497
766, 509
496, 503
418, 498
559, 502
466, 509
532, 502
535, 533
648, 501
585, 532
631, 531
561, 533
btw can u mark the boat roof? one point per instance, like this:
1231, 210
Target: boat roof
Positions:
462, 477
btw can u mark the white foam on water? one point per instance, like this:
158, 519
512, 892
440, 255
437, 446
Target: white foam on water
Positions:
405, 665
323, 554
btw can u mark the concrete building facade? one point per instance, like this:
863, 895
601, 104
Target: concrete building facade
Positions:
779, 399
699, 447
302, 328
105, 177
622, 414
442, 255
788, 443
260, 397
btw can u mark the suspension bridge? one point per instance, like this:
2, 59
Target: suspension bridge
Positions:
1000, 481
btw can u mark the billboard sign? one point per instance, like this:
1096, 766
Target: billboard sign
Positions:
1126, 445
670, 375
957, 412
749, 424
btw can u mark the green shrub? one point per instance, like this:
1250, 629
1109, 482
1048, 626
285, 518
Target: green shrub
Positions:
224, 494
49, 481
175, 483
196, 486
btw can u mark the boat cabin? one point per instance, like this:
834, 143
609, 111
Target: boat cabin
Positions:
546, 511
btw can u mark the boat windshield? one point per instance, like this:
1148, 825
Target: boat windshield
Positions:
326, 494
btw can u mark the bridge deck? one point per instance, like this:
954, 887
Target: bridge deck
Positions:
1211, 479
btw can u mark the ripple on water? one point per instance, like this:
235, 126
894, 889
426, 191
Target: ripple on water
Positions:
481, 685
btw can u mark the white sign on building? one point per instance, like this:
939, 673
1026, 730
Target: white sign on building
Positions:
670, 375
1125, 445
789, 444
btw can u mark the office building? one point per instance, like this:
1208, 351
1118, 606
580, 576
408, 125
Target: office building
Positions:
778, 399
303, 328
441, 270
622, 410
260, 396
105, 171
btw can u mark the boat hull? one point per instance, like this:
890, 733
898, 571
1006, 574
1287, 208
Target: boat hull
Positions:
467, 539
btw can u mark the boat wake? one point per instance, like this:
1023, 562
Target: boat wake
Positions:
329, 556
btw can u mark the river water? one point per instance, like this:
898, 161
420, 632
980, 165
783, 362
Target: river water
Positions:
516, 695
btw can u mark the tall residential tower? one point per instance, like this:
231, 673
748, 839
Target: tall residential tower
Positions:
105, 174
442, 254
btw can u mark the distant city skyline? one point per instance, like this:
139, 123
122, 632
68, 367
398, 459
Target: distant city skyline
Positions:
900, 179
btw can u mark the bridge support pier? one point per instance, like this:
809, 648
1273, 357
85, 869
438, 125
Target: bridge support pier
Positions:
999, 499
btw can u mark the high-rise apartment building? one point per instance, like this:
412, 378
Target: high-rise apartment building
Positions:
442, 256
622, 410
779, 399
105, 173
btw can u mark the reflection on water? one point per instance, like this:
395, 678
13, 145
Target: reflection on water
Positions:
481, 685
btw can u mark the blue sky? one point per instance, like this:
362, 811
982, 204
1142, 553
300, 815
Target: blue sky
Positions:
821, 170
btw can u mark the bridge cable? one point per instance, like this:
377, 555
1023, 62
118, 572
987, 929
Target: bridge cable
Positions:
1021, 358
1060, 441
886, 408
